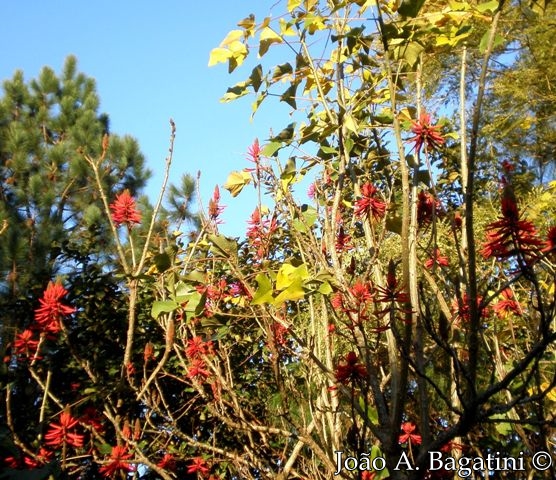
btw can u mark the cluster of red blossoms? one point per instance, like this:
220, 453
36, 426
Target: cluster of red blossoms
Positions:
426, 134
350, 369
260, 231
47, 320
365, 301
197, 348
214, 207
370, 205
124, 210
510, 235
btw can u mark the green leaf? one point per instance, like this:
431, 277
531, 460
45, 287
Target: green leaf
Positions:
294, 292
289, 96
411, 53
226, 245
257, 77
372, 413
264, 290
498, 40
281, 70
325, 288
350, 123
239, 90
490, 6
104, 448
410, 8
503, 428
288, 275
162, 261
163, 306
270, 149
289, 173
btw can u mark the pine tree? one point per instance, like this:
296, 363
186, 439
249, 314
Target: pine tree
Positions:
50, 218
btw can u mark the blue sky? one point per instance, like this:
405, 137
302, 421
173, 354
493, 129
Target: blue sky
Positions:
150, 63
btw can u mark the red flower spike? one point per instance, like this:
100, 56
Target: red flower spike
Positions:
350, 369
118, 462
370, 205
408, 436
124, 210
254, 155
436, 260
25, 344
197, 347
59, 433
361, 293
343, 241
198, 464
198, 370
168, 462
51, 310
41, 459
427, 208
509, 235
426, 134
214, 207
550, 244
508, 304
460, 306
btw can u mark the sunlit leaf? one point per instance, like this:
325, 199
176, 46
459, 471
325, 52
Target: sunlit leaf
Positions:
236, 181
219, 55
267, 38
163, 306
264, 290
289, 274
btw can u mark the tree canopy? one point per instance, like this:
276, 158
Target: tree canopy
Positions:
389, 312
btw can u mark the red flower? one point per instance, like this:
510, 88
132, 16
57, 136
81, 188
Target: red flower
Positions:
198, 369
366, 475
196, 347
118, 462
350, 370
392, 292
167, 462
214, 207
408, 436
41, 458
370, 205
92, 419
343, 241
124, 209
436, 259
51, 310
427, 208
59, 433
25, 344
198, 464
254, 151
361, 292
462, 309
509, 235
279, 333
550, 244
260, 231
426, 134
254, 155
507, 304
